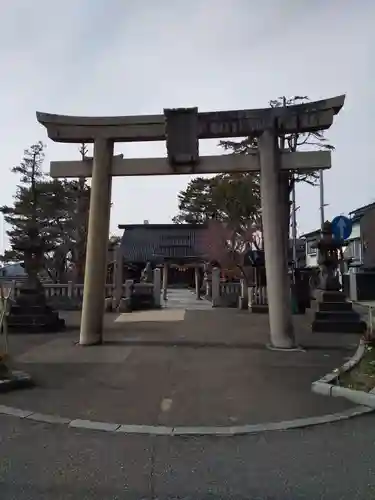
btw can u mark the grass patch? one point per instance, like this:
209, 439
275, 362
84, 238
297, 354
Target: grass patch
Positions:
362, 376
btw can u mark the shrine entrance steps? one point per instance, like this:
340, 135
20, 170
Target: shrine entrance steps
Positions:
183, 298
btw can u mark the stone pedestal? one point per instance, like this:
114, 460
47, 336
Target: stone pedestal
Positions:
335, 315
243, 299
257, 293
157, 288
31, 314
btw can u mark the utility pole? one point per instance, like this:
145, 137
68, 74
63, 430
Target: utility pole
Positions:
294, 224
321, 192
293, 203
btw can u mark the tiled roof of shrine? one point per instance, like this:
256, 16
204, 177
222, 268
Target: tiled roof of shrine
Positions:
157, 242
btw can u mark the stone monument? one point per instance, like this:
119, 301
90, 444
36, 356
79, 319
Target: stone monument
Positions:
30, 312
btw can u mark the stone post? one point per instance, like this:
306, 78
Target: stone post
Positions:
243, 299
165, 280
157, 287
128, 289
353, 290
197, 283
97, 245
208, 288
125, 304
215, 287
279, 303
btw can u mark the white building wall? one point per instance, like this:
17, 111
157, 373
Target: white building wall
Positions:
356, 231
311, 260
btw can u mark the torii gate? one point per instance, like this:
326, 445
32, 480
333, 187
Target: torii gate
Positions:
181, 128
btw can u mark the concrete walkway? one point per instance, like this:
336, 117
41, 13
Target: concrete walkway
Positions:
196, 368
182, 298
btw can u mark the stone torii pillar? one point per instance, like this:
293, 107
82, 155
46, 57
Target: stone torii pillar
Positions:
97, 244
182, 128
278, 286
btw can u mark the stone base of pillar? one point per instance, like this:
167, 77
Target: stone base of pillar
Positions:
285, 349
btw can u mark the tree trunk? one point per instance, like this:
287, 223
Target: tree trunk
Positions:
81, 230
79, 267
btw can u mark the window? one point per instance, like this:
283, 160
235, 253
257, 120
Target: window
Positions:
310, 247
356, 249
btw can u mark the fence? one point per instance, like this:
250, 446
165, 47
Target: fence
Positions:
224, 295
233, 294
359, 286
258, 296
73, 290
229, 294
367, 312
230, 289
255, 296
67, 290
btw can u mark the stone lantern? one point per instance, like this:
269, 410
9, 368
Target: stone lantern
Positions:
330, 254
333, 313
30, 312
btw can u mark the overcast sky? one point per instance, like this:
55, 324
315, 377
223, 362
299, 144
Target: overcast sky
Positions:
121, 57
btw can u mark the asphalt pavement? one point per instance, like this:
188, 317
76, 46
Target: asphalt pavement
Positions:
203, 353
329, 462
178, 367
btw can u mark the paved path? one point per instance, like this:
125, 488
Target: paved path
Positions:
331, 462
185, 299
176, 368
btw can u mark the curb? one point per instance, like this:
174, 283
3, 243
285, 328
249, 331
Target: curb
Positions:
326, 386
159, 430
